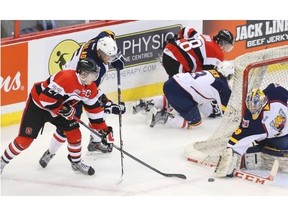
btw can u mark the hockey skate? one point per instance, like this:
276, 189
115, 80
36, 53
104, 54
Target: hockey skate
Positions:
45, 159
3, 164
99, 147
160, 117
144, 105
81, 167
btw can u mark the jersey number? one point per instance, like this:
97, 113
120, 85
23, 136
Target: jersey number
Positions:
54, 90
190, 44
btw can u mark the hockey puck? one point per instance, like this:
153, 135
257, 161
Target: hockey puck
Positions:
211, 179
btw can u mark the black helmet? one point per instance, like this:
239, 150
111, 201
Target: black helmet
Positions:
87, 65
224, 36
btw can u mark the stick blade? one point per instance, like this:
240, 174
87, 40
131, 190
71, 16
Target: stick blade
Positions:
175, 175
257, 178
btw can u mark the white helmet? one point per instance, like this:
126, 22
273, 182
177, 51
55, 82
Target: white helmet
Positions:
226, 68
108, 46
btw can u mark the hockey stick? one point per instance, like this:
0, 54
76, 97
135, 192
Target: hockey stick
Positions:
243, 174
207, 164
256, 178
129, 155
120, 119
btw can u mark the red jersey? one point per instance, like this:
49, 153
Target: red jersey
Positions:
194, 51
66, 87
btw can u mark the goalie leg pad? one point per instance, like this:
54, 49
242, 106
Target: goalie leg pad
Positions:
253, 160
252, 157
268, 161
229, 160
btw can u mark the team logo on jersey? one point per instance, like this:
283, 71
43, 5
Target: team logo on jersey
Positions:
245, 123
83, 93
279, 122
86, 93
61, 54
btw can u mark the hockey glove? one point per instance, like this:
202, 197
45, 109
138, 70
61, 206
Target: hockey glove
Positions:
216, 112
113, 108
118, 62
103, 100
67, 112
107, 140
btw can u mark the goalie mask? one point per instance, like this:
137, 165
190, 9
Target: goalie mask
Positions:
225, 39
226, 68
88, 71
107, 49
255, 102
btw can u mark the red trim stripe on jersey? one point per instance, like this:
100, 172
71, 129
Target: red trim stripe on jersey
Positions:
181, 56
201, 94
183, 33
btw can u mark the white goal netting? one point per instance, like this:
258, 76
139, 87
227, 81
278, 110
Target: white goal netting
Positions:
252, 70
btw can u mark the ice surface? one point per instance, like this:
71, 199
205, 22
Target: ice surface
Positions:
160, 147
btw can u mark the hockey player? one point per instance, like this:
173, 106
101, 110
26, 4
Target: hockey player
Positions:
190, 51
265, 123
189, 94
103, 50
53, 101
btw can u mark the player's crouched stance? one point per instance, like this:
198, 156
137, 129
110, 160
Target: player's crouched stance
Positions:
52, 101
264, 124
188, 95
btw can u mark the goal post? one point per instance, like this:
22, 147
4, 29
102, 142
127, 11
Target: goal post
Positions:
252, 70
277, 65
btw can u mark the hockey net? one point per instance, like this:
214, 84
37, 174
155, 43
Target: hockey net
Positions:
252, 70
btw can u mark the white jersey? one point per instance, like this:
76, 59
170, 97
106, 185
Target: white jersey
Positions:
198, 85
204, 87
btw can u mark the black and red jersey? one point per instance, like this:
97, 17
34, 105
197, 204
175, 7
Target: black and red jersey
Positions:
66, 87
195, 52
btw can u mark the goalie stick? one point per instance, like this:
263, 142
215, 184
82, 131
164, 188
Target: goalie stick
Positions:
243, 174
129, 155
201, 162
256, 178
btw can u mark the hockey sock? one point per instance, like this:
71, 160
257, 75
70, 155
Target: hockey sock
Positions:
56, 142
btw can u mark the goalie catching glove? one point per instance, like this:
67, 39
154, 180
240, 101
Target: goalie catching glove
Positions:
229, 160
67, 112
